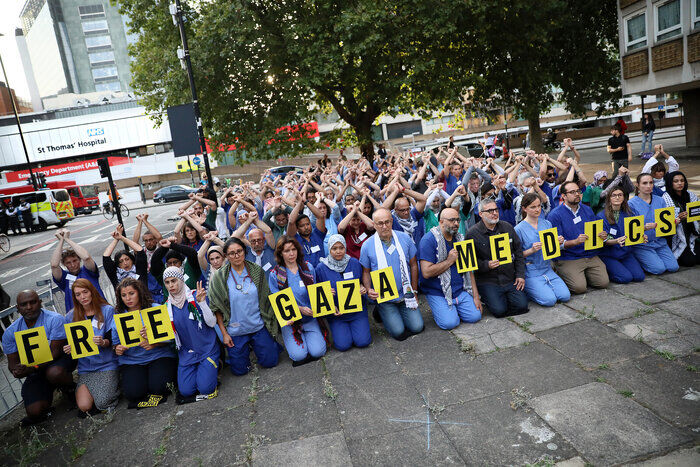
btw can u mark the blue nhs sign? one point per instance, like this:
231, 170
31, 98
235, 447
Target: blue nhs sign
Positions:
95, 132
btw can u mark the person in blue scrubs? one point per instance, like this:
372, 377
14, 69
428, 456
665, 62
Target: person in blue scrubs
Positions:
542, 285
195, 338
78, 264
238, 296
146, 369
452, 297
619, 260
351, 328
98, 375
309, 237
654, 255
303, 339
400, 316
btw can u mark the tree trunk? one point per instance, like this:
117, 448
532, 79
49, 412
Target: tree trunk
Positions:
363, 131
533, 124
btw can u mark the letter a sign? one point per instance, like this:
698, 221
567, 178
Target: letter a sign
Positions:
384, 284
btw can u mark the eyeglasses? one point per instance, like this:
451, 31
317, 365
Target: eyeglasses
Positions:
235, 252
383, 223
573, 192
256, 240
490, 211
617, 195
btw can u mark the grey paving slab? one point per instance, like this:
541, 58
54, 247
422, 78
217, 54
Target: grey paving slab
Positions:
604, 426
499, 435
592, 343
491, 334
365, 407
540, 318
360, 364
326, 450
688, 307
536, 369
665, 387
199, 440
688, 457
606, 305
687, 277
407, 447
653, 290
663, 331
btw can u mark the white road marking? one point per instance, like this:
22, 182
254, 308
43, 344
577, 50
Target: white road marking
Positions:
13, 271
46, 247
106, 226
92, 239
33, 271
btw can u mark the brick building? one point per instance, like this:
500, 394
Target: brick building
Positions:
660, 53
5, 103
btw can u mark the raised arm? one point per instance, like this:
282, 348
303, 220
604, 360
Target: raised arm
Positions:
56, 270
292, 221
346, 220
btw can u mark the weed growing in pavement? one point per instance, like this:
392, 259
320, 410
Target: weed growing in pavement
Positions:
465, 346
626, 393
692, 368
643, 311
604, 366
328, 388
665, 354
544, 461
589, 314
519, 399
30, 445
598, 379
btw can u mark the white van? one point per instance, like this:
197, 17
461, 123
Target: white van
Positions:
49, 207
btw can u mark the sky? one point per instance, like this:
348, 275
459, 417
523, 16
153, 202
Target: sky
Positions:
9, 20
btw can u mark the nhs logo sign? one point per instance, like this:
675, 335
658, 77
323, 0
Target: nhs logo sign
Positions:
95, 132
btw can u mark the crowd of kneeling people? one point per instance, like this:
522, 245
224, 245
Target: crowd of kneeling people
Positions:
253, 269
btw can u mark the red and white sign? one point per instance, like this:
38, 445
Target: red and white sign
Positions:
63, 169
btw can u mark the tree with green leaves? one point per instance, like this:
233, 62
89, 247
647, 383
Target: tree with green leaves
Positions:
265, 64
521, 51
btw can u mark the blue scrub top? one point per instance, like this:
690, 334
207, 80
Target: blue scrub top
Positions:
66, 282
137, 355
535, 264
106, 359
50, 320
298, 288
563, 219
428, 252
244, 305
196, 343
615, 231
368, 258
642, 208
353, 270
313, 249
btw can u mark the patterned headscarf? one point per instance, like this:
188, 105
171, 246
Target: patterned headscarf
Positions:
598, 175
178, 299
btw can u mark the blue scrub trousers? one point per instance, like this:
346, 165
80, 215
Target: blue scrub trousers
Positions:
545, 289
623, 270
655, 259
503, 301
398, 319
198, 378
312, 342
266, 349
348, 330
448, 316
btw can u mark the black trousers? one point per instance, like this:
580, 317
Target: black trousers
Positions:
151, 378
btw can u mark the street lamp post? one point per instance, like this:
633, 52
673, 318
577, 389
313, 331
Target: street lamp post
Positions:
19, 126
176, 12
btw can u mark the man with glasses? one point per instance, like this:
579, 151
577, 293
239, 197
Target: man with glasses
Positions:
389, 248
452, 297
577, 266
500, 285
259, 252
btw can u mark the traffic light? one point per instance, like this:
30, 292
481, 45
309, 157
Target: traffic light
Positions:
42, 180
103, 165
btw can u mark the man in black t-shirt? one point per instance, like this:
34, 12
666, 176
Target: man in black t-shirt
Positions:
620, 149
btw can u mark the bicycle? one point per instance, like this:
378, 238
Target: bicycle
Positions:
4, 243
108, 212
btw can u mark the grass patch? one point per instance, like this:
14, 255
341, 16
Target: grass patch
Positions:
599, 379
588, 314
544, 461
328, 388
253, 396
626, 393
526, 326
643, 311
519, 399
465, 346
665, 354
31, 443
692, 368
604, 366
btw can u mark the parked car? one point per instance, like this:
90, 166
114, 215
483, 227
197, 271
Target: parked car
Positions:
283, 170
173, 193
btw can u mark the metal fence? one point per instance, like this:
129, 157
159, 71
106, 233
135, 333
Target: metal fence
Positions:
52, 299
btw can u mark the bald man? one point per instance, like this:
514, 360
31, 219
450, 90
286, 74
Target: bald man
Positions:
259, 252
41, 380
452, 297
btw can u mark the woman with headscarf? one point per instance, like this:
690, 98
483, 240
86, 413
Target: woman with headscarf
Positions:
195, 338
238, 294
305, 339
211, 256
592, 195
352, 328
146, 369
684, 244
125, 263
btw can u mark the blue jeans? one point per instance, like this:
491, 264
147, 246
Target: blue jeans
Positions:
647, 138
545, 289
312, 342
348, 330
623, 270
503, 300
399, 320
266, 349
198, 378
448, 316
656, 259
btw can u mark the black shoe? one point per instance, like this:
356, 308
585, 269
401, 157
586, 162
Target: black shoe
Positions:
375, 314
404, 335
180, 399
31, 421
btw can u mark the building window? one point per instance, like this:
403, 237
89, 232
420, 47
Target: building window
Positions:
668, 20
91, 11
93, 42
636, 31
696, 13
95, 26
101, 57
109, 86
106, 72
